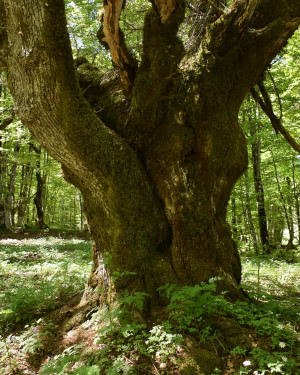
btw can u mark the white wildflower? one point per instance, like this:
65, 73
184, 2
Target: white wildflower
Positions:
280, 326
282, 345
247, 363
284, 358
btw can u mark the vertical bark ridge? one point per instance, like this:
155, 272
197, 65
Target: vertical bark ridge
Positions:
162, 52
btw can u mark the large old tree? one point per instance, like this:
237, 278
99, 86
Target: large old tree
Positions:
154, 146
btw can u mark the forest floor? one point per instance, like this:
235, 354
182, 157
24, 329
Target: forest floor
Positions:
42, 280
30, 233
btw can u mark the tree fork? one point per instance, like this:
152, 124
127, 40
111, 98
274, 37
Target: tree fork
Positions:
156, 196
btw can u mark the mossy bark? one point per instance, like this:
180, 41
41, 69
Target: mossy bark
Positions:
155, 171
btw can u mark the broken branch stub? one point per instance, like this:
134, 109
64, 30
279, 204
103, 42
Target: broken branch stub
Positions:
111, 36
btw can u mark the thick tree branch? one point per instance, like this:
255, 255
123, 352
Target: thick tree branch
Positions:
162, 52
266, 106
244, 41
112, 37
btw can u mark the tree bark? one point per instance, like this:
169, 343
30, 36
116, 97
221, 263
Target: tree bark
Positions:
290, 206
81, 211
288, 218
234, 216
2, 185
9, 209
39, 198
5, 217
276, 224
24, 193
249, 215
259, 190
155, 168
296, 197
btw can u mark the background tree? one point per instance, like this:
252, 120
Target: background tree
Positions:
39, 199
157, 157
282, 85
24, 195
21, 172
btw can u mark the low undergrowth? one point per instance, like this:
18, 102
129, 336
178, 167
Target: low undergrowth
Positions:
38, 275
197, 333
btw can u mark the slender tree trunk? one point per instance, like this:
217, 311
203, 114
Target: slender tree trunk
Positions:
244, 231
39, 199
290, 204
5, 214
9, 199
2, 216
54, 212
259, 193
74, 211
10, 195
258, 185
234, 216
2, 188
296, 197
249, 214
24, 194
276, 224
81, 211
285, 208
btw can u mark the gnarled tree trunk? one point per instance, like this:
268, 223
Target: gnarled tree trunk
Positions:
157, 165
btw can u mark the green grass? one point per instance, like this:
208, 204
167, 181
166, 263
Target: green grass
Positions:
273, 281
36, 275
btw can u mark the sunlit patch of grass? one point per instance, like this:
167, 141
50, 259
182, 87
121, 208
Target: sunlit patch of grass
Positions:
36, 273
273, 274
273, 280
